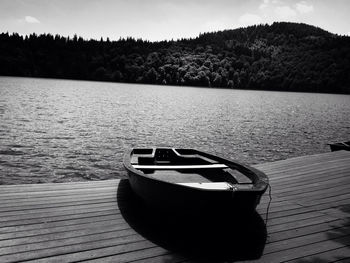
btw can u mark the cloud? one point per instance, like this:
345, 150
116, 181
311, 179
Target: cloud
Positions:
277, 9
264, 4
31, 20
285, 12
268, 3
304, 7
249, 19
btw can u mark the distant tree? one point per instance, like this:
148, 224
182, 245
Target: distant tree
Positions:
100, 74
281, 56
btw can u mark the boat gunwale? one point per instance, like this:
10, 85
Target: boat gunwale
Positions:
260, 182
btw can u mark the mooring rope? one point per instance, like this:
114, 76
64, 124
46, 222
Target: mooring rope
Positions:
268, 206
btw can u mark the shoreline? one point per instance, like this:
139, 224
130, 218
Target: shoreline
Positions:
169, 85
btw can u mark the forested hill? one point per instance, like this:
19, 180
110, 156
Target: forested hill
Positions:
281, 56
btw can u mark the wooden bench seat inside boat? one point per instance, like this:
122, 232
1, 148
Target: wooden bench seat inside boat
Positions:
189, 176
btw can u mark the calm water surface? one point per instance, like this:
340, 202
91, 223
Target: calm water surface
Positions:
59, 130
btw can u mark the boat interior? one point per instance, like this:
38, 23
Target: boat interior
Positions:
188, 167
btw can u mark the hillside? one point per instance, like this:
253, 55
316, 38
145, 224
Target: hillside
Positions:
281, 56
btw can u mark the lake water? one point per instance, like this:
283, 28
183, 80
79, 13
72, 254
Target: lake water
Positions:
60, 130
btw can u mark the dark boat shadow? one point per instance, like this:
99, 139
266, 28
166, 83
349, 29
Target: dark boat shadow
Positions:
217, 236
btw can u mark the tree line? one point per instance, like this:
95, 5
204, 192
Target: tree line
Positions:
282, 56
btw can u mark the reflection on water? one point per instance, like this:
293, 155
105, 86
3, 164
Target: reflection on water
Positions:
59, 130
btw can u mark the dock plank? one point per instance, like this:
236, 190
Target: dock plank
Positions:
308, 219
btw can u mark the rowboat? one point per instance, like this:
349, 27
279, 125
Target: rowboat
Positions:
188, 178
340, 146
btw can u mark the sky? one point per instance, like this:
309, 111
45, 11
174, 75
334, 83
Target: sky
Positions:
157, 20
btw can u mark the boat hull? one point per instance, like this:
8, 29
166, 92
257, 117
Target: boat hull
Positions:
340, 146
169, 195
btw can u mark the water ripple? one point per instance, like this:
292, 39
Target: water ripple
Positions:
11, 152
62, 131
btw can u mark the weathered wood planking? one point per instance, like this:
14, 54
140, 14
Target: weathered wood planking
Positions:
308, 219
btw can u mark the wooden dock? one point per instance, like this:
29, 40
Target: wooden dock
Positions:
102, 221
